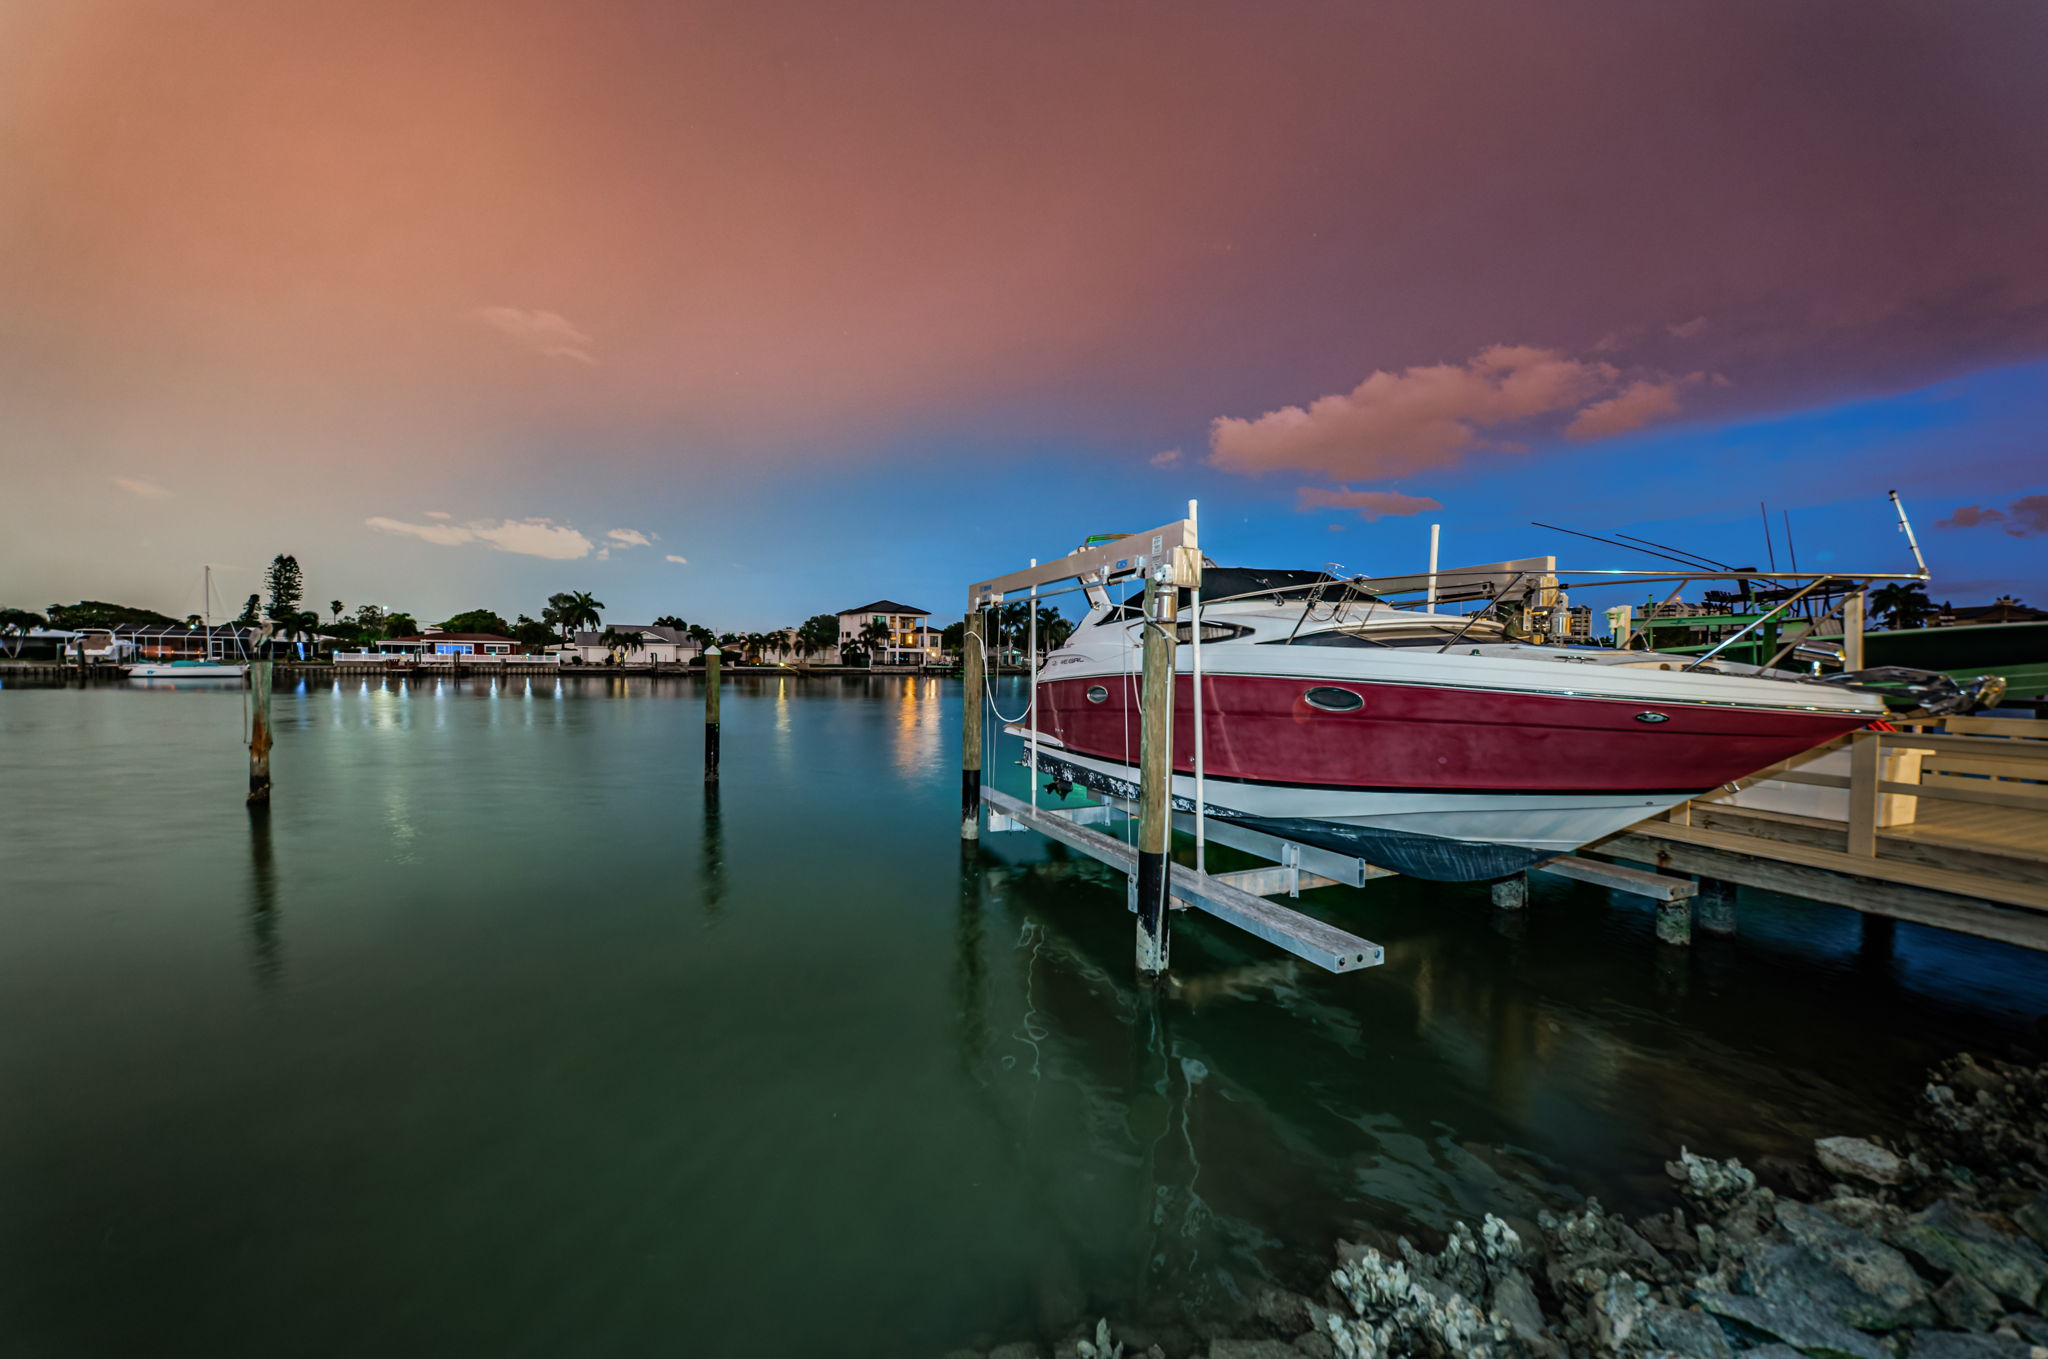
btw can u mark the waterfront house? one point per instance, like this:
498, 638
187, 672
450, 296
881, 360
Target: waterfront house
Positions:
436, 643
658, 646
904, 623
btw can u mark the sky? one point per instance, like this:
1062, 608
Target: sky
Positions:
745, 312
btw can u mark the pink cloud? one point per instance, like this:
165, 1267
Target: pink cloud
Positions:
547, 333
1166, 459
1686, 330
2030, 511
1370, 505
1397, 423
1970, 516
1635, 407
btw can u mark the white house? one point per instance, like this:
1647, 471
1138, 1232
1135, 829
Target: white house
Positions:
904, 623
658, 646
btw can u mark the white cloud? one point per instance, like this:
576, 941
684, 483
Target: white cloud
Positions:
439, 514
629, 538
679, 561
445, 534
527, 537
547, 333
149, 490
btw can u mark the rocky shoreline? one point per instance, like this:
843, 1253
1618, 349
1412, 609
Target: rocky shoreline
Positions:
1933, 1247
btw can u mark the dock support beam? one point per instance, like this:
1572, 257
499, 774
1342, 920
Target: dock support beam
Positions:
972, 685
1717, 906
259, 726
1155, 774
1511, 893
711, 659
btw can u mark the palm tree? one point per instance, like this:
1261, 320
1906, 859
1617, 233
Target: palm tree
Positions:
1902, 605
335, 605
620, 644
879, 637
570, 611
669, 620
702, 636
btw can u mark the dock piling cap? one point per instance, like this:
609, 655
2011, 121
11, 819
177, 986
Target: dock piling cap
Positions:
713, 651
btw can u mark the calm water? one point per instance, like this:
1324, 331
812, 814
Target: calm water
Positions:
494, 1038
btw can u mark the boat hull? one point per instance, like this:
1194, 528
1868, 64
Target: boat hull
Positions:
1437, 781
174, 670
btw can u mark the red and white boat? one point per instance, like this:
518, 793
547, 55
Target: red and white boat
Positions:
1429, 743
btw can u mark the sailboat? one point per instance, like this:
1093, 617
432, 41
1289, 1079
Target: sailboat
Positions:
208, 668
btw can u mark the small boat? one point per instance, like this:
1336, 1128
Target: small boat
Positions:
1440, 745
149, 670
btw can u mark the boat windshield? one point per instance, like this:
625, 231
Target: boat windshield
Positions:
1404, 634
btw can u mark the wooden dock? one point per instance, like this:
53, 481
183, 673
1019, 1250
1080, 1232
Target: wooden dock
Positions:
1972, 857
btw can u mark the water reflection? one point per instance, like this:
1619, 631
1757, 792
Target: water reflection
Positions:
266, 949
919, 744
712, 857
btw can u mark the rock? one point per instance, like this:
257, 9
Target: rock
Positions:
1804, 1327
2033, 1219
1315, 1345
1772, 1352
2034, 1328
1693, 1334
1514, 1302
1865, 1215
962, 1354
1963, 1345
1853, 1274
1017, 1349
1957, 1241
1252, 1349
1966, 1305
1852, 1157
1288, 1313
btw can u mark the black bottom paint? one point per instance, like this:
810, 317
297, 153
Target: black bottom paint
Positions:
710, 752
1152, 916
970, 795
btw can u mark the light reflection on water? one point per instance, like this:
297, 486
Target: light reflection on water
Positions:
503, 1037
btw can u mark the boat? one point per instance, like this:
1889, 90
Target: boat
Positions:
148, 670
195, 668
1447, 746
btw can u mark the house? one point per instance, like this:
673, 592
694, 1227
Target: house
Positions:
436, 643
904, 622
657, 646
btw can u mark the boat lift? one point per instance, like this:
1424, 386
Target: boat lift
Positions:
1168, 559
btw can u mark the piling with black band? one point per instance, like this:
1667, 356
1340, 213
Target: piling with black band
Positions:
711, 658
259, 724
973, 684
1155, 775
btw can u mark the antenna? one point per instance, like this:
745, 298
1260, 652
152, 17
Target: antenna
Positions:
1769, 551
1704, 561
1906, 527
1554, 528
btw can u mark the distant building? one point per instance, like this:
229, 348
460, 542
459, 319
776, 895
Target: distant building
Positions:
657, 646
905, 646
2004, 609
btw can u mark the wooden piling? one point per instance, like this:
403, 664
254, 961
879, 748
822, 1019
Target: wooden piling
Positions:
1674, 921
1852, 630
1155, 775
259, 723
711, 659
973, 683
1717, 906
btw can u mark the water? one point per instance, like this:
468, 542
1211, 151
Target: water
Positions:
494, 1038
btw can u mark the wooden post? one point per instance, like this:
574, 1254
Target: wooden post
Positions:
1155, 774
1865, 762
259, 722
1674, 921
1852, 630
971, 698
711, 657
1511, 893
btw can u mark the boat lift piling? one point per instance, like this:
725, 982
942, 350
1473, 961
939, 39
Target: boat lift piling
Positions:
711, 659
259, 722
1168, 561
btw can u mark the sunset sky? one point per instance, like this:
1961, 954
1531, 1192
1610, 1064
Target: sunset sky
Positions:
751, 311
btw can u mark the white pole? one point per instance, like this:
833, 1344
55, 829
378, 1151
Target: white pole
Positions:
1906, 526
1032, 764
1434, 530
1195, 639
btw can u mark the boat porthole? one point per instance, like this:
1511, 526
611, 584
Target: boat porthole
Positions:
1653, 717
1096, 693
1333, 700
